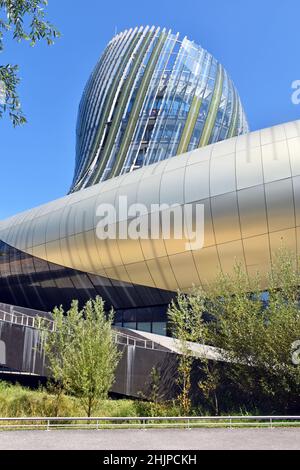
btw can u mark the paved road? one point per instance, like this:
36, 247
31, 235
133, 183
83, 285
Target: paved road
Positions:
155, 439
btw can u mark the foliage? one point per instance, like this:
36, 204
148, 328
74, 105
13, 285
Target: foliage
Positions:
187, 325
155, 381
18, 401
82, 354
25, 19
253, 320
210, 383
258, 335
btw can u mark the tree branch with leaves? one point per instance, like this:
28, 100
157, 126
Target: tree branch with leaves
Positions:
187, 326
81, 352
25, 20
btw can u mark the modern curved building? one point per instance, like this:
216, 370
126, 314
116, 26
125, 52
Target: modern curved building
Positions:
152, 96
249, 186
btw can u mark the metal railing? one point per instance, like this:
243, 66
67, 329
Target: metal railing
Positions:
21, 319
127, 340
123, 339
187, 422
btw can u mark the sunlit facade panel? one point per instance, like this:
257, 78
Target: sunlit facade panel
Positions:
247, 185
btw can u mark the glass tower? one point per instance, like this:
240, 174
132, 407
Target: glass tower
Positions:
151, 96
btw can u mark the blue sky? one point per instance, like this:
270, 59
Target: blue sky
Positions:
256, 40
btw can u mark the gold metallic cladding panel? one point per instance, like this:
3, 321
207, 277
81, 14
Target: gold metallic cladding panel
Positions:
207, 263
130, 251
202, 154
85, 218
197, 181
293, 147
177, 163
292, 129
222, 175
286, 238
11, 234
67, 214
229, 253
272, 134
298, 239
39, 230
162, 274
53, 252
296, 187
184, 270
172, 187
276, 162
93, 246
253, 212
153, 246
19, 234
209, 234
248, 141
83, 250
153, 249
174, 246
118, 273
257, 250
249, 168
224, 147
225, 218
109, 253
139, 274
129, 192
149, 191
68, 221
239, 220
280, 205
53, 226
65, 252
38, 251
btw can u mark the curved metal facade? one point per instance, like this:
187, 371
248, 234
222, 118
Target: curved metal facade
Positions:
151, 97
249, 185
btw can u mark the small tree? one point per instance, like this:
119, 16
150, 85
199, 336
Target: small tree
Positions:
255, 321
57, 346
155, 383
210, 383
82, 354
187, 325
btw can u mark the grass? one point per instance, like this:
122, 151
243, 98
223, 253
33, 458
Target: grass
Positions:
20, 402
17, 401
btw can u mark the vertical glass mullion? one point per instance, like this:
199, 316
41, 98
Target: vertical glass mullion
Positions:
167, 105
215, 136
165, 102
91, 93
118, 149
111, 66
85, 102
156, 82
88, 112
203, 83
213, 102
186, 100
124, 99
108, 107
